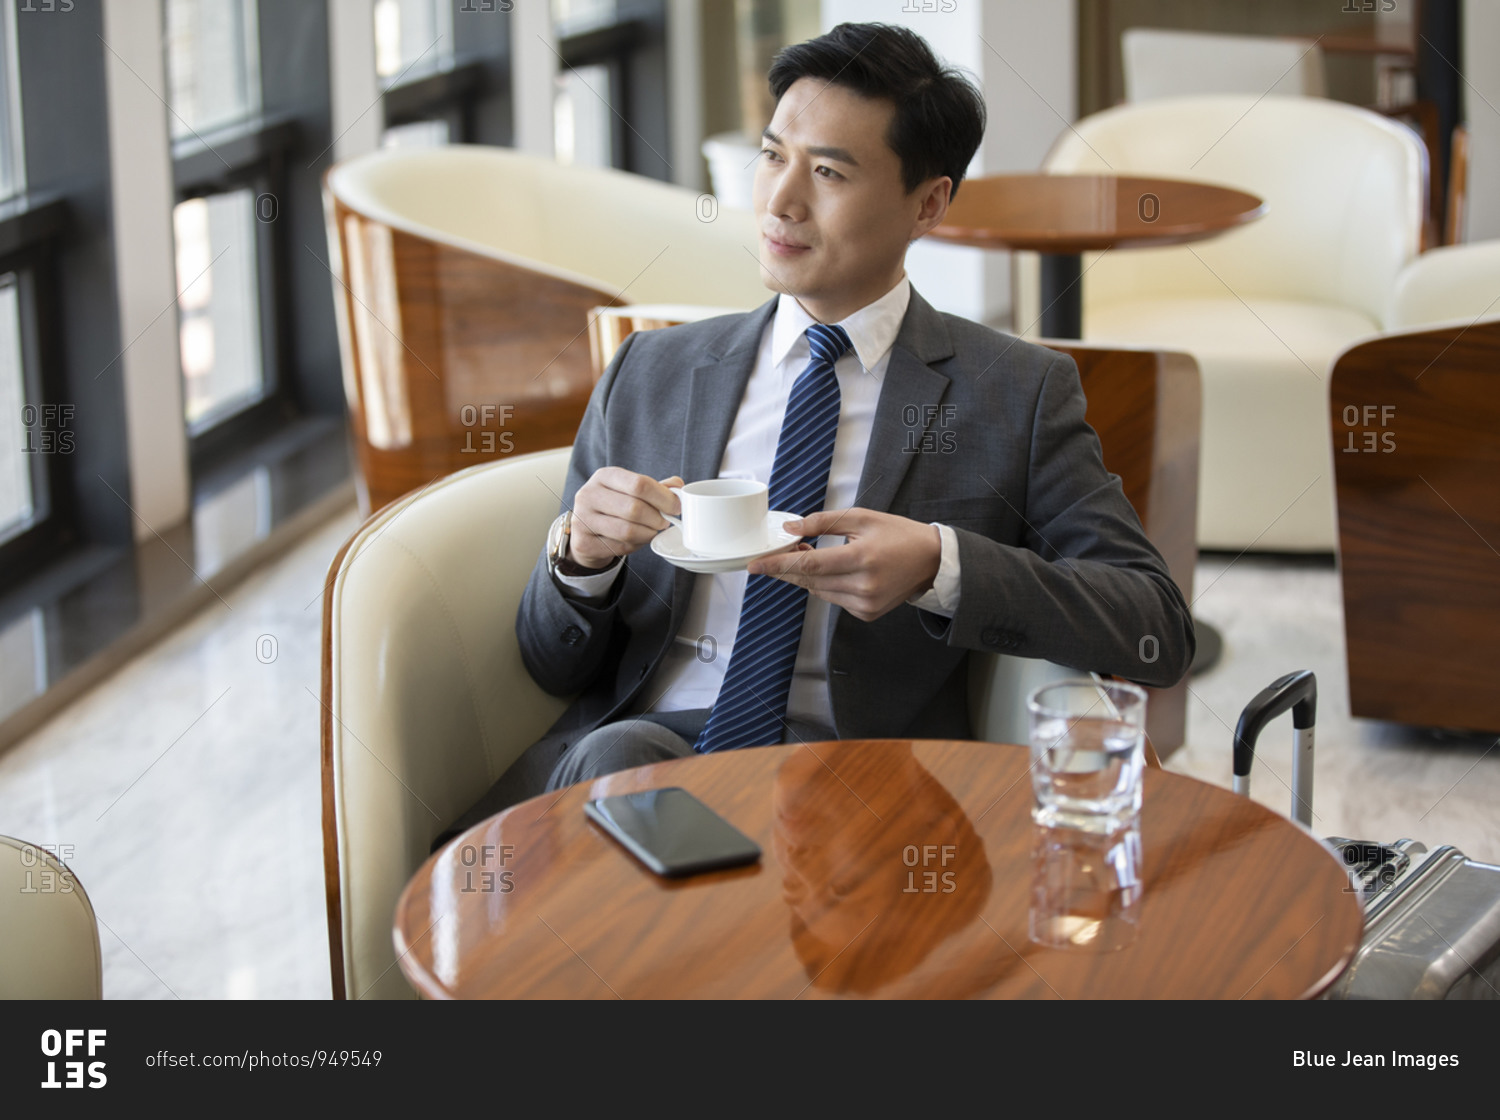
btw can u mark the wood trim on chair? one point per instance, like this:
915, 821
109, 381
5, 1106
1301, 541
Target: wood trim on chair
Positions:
332, 881
332, 867
1458, 186
451, 357
1418, 519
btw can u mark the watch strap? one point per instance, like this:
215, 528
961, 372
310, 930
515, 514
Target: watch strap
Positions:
559, 537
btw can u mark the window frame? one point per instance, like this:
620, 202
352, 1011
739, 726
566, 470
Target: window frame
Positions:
249, 155
244, 154
471, 91
31, 230
447, 95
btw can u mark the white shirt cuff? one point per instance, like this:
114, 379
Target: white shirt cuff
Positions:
942, 597
590, 588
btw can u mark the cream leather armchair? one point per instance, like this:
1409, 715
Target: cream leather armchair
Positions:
50, 935
1454, 283
426, 700
462, 280
638, 238
1417, 571
1264, 308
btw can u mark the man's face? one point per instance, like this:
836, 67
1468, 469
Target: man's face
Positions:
834, 215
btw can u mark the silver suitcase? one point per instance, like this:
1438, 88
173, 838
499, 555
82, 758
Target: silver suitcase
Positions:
1432, 918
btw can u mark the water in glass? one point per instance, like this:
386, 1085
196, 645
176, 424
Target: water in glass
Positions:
1087, 772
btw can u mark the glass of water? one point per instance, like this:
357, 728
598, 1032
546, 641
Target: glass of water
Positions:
1087, 750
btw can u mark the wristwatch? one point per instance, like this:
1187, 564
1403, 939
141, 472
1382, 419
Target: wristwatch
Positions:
558, 537
557, 541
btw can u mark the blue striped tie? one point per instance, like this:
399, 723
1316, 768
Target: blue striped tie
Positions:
752, 699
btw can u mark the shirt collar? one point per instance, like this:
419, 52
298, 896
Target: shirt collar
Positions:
872, 329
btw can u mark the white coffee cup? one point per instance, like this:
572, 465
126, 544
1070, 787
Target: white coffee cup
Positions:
723, 516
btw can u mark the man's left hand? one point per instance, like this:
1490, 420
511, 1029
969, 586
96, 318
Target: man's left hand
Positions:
885, 561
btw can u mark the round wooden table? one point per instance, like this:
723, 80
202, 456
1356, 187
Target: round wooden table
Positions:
890, 868
1063, 216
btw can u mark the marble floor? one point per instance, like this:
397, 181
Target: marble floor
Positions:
184, 790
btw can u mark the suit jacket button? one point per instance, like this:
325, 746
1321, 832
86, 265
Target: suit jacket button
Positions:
572, 635
991, 637
643, 671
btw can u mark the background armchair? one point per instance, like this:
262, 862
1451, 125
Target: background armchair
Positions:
1264, 308
50, 934
1416, 438
462, 277
1456, 283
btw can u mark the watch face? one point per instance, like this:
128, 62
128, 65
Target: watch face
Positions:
557, 541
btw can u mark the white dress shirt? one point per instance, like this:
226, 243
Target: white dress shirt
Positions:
693, 670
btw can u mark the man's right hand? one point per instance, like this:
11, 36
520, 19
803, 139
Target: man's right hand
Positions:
617, 512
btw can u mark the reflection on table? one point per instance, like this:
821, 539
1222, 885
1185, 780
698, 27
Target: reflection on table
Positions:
871, 894
892, 868
1086, 889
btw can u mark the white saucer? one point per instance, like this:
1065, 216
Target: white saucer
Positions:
668, 545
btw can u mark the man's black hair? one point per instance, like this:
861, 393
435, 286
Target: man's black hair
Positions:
939, 118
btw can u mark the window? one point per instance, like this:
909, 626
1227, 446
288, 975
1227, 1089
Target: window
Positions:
425, 91
40, 448
17, 437
609, 108
582, 126
242, 88
443, 67
417, 134
12, 166
581, 117
224, 253
413, 38
37, 437
572, 16
213, 64
21, 434
218, 308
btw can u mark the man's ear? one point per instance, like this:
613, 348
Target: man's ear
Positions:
934, 194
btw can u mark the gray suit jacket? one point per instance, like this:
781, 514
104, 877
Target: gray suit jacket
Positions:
974, 429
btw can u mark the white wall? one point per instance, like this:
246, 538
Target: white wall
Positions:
685, 91
1023, 55
533, 72
357, 117
145, 273
1481, 91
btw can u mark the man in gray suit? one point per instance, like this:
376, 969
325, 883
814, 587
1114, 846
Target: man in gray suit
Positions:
966, 505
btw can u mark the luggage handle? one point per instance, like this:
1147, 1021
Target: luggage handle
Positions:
1299, 692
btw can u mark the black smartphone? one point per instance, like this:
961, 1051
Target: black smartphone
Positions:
672, 832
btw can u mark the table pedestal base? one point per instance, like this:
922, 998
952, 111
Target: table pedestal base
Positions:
1210, 647
1062, 295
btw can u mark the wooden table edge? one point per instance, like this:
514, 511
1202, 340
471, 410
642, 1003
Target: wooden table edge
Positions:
429, 987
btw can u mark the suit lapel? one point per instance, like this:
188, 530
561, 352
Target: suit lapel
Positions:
715, 389
908, 405
907, 408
